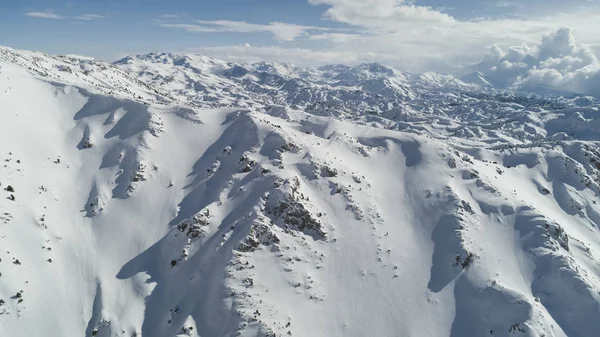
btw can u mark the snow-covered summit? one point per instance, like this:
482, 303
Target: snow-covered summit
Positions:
477, 78
179, 195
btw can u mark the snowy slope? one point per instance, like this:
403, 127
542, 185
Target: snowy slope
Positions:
177, 195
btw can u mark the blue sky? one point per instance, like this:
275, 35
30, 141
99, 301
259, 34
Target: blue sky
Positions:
413, 34
134, 25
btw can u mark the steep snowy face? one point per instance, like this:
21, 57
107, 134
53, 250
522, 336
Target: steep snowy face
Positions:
172, 195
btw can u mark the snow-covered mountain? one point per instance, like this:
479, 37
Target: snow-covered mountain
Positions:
178, 195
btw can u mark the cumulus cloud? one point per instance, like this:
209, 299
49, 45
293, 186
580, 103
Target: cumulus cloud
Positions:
281, 31
438, 41
382, 14
557, 63
44, 15
418, 38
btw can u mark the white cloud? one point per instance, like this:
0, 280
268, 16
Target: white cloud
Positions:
382, 14
420, 38
339, 37
585, 80
43, 15
501, 3
89, 17
556, 63
299, 56
427, 40
51, 15
281, 31
170, 16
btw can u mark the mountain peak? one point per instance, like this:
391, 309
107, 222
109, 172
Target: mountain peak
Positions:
375, 68
477, 78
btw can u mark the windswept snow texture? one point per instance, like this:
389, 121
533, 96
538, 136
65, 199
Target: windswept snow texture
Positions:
177, 195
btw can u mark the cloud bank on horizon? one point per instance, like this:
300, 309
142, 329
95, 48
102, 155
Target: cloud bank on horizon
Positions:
421, 38
500, 39
557, 63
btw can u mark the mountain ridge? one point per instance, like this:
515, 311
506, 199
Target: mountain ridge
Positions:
171, 196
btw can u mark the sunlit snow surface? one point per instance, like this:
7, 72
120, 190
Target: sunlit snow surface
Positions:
171, 195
